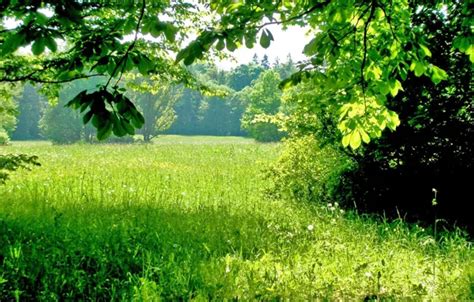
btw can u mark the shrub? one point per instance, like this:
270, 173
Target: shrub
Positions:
306, 170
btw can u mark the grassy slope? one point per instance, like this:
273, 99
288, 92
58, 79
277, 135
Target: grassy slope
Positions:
186, 220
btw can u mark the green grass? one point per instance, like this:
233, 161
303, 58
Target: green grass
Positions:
184, 219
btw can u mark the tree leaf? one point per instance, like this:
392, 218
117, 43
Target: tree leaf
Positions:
265, 39
51, 43
220, 45
355, 139
38, 47
395, 86
425, 50
438, 74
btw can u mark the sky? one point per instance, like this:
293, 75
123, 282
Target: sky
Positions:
291, 41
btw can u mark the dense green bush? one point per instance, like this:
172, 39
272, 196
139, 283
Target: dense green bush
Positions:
308, 171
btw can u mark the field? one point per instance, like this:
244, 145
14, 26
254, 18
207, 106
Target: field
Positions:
186, 219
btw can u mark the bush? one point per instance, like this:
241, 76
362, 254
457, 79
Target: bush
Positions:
264, 131
307, 171
4, 138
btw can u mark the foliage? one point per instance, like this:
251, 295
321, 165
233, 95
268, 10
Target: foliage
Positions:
12, 162
61, 125
156, 100
360, 53
94, 223
82, 40
307, 171
262, 99
432, 149
8, 111
30, 108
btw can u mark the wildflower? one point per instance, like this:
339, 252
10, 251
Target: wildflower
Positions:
310, 227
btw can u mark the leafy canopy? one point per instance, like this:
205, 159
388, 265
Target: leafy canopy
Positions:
361, 51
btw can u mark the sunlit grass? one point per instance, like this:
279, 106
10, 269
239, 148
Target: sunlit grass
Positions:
184, 219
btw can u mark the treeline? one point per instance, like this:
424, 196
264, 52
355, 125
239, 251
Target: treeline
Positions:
234, 101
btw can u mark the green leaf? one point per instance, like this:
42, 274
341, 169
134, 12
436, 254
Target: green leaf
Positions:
355, 139
231, 46
265, 39
395, 86
418, 67
438, 74
311, 48
87, 117
365, 136
38, 47
145, 65
470, 52
12, 43
170, 32
346, 140
425, 50
220, 45
51, 44
105, 131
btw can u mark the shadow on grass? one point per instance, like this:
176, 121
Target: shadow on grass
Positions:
106, 253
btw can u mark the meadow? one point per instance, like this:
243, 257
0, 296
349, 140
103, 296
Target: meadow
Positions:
185, 218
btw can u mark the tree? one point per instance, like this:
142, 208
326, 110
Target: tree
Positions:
156, 100
8, 111
30, 107
263, 99
265, 62
243, 75
432, 149
61, 125
187, 113
398, 173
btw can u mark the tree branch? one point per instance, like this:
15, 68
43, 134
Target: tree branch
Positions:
31, 78
366, 28
130, 47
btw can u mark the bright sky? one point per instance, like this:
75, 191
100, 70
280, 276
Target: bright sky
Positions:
291, 41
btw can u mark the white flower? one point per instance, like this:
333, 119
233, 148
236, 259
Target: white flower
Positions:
310, 227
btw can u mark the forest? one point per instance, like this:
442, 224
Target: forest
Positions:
134, 167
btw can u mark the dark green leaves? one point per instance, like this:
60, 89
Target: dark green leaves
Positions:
155, 28
196, 49
12, 43
110, 112
266, 38
38, 47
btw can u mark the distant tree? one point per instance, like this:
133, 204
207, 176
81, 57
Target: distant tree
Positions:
187, 113
30, 107
265, 62
243, 75
156, 100
286, 69
263, 99
61, 125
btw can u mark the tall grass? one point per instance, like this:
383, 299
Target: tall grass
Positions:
184, 219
